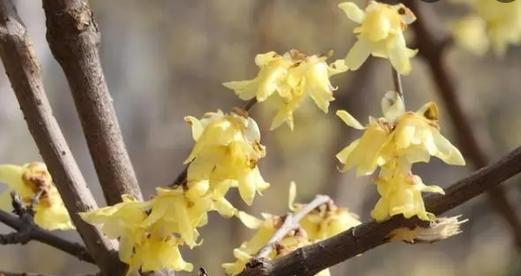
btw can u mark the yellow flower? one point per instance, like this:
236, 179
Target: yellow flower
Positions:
380, 34
293, 240
409, 136
502, 20
401, 194
171, 212
470, 34
225, 154
122, 221
156, 254
27, 181
144, 243
325, 221
292, 77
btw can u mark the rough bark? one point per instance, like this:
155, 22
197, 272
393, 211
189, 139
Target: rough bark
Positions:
73, 37
23, 71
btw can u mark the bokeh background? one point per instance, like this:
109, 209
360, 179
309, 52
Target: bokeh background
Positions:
165, 59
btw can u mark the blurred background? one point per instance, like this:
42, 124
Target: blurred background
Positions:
166, 59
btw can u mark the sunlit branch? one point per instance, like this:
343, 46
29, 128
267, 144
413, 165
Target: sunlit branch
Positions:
311, 259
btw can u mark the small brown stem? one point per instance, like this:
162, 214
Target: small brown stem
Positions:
397, 80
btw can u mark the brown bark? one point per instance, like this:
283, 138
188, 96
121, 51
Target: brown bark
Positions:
73, 37
23, 71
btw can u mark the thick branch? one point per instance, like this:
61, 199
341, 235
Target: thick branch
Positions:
432, 50
73, 38
23, 71
311, 259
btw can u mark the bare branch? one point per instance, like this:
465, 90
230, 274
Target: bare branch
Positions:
432, 50
23, 71
311, 259
291, 222
27, 230
73, 37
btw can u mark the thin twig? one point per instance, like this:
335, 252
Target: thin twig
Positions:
397, 81
27, 230
291, 222
24, 74
73, 37
311, 259
432, 50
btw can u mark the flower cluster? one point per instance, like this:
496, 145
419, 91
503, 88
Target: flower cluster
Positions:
34, 180
321, 223
291, 77
380, 34
224, 156
394, 142
491, 23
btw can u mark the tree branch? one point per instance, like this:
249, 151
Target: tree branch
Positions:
432, 50
311, 259
23, 71
73, 37
27, 230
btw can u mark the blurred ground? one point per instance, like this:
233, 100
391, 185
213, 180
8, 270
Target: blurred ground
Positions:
166, 59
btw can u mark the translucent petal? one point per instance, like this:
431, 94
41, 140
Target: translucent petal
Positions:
352, 11
349, 120
358, 54
249, 220
393, 106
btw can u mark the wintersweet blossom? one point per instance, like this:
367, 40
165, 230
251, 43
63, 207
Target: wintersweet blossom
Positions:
265, 229
401, 193
123, 222
325, 221
410, 136
143, 245
321, 223
502, 22
225, 154
291, 77
380, 34
29, 180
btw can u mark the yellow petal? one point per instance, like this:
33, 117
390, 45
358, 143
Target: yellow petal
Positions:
292, 195
393, 106
349, 120
447, 152
249, 220
352, 11
358, 54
